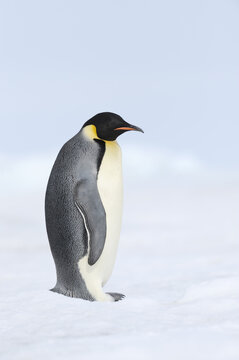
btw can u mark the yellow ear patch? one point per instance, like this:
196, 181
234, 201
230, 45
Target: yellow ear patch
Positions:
90, 132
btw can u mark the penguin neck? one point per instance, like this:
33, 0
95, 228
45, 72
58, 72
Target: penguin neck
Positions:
90, 132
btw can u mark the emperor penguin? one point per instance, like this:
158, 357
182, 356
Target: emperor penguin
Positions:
83, 208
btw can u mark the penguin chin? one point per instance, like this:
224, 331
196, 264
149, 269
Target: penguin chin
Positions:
113, 136
109, 134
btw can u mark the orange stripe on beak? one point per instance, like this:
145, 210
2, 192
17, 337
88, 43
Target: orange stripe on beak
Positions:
124, 128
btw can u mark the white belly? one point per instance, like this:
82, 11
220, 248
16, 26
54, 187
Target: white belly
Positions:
111, 193
110, 188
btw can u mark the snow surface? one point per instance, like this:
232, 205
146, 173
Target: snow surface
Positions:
177, 265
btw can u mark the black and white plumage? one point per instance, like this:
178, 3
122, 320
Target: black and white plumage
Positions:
83, 208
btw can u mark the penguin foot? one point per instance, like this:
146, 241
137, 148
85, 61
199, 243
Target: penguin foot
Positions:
116, 296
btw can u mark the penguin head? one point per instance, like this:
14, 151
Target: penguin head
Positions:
109, 125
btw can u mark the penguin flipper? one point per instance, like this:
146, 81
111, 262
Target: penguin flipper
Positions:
89, 205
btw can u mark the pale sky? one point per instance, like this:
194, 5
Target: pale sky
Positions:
170, 67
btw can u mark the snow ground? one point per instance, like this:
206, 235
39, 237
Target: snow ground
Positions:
177, 265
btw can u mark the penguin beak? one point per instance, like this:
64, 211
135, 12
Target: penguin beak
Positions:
130, 127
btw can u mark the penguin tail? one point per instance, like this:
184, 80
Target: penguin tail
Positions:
62, 291
70, 293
